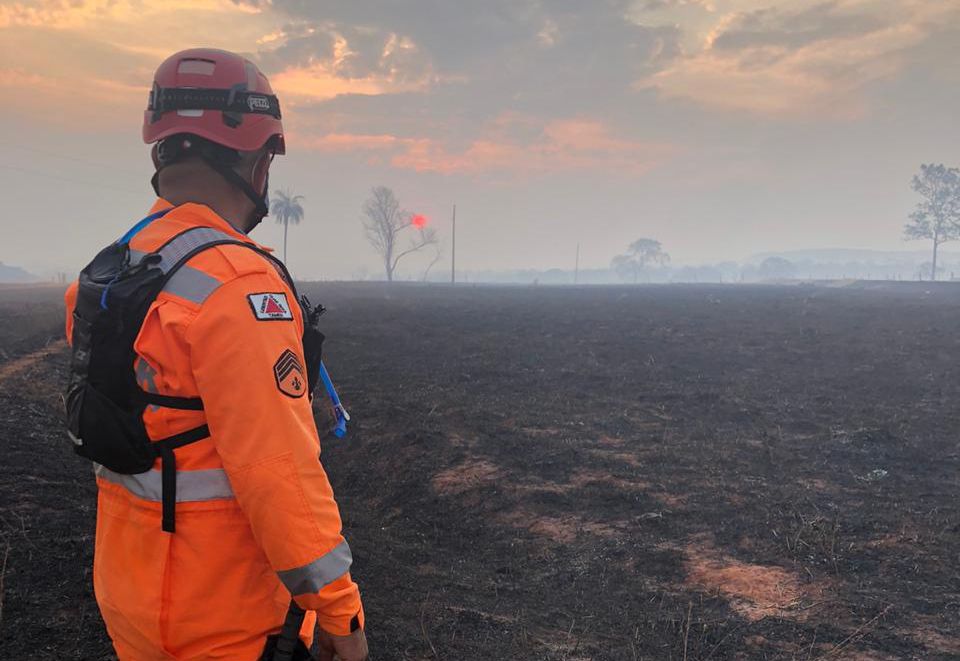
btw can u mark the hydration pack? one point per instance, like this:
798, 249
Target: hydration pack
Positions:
104, 402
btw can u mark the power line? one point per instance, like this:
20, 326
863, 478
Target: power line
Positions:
65, 157
47, 175
453, 251
576, 267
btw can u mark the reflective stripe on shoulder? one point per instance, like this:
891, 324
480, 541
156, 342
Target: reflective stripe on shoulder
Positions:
188, 283
186, 242
181, 245
192, 486
311, 578
191, 284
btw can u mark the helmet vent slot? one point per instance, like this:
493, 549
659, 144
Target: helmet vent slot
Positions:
200, 67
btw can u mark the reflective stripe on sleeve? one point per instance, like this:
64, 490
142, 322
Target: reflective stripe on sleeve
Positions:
146, 375
310, 578
188, 283
192, 486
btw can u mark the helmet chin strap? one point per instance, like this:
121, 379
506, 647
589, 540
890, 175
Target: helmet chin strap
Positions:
261, 203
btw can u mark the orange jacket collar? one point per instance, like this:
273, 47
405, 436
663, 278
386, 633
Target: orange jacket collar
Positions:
203, 215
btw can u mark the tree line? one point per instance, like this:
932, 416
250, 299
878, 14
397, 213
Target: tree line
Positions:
386, 224
936, 218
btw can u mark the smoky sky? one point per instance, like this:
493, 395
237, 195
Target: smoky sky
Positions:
722, 128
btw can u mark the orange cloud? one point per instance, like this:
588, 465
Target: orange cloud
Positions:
774, 81
75, 14
113, 38
571, 144
397, 70
823, 77
576, 144
320, 81
96, 104
96, 49
345, 142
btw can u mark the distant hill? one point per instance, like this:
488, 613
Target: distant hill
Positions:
850, 255
15, 274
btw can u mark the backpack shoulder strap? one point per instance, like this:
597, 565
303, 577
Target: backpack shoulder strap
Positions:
170, 259
176, 252
190, 284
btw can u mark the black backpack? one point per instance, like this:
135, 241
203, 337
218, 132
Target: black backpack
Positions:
104, 403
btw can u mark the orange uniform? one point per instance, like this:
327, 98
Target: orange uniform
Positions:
256, 520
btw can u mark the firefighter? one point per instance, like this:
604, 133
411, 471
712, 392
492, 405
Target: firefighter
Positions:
198, 557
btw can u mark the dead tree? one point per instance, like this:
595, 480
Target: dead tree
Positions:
384, 222
937, 216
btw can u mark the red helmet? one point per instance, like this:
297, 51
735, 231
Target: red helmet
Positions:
216, 95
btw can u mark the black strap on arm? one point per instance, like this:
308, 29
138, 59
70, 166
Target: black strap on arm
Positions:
170, 401
166, 446
236, 100
168, 471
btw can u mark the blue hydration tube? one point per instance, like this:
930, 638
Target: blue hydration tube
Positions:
133, 231
126, 238
342, 416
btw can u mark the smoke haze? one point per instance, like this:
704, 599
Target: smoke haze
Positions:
721, 128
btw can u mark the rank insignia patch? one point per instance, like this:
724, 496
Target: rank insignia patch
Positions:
291, 379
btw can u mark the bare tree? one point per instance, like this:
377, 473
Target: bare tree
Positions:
436, 258
640, 254
937, 216
384, 223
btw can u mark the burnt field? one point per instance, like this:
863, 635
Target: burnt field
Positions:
659, 473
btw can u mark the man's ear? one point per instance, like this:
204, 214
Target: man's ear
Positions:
153, 156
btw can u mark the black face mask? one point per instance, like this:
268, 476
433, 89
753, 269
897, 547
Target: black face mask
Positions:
262, 206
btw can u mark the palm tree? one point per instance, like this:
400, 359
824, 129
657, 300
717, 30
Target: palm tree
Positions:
287, 209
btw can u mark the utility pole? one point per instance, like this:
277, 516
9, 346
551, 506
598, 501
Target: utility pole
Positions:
576, 267
453, 249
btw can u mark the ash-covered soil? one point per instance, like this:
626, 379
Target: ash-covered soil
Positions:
675, 472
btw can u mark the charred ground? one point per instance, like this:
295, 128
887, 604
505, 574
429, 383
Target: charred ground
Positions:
682, 472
